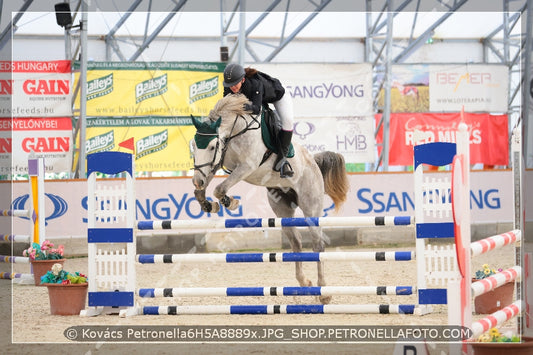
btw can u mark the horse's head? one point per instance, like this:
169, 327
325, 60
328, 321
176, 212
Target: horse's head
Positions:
207, 151
213, 135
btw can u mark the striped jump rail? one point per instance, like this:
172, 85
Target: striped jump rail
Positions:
276, 222
496, 318
494, 242
274, 257
276, 291
18, 238
14, 213
15, 275
14, 259
279, 309
490, 283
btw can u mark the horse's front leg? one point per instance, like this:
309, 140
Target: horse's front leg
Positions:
221, 190
207, 206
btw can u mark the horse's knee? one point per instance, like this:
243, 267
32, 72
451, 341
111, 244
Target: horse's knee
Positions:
219, 192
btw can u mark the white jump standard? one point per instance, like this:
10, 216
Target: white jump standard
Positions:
35, 214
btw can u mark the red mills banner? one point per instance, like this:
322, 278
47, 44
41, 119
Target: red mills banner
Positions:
489, 138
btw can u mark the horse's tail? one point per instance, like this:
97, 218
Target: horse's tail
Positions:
333, 171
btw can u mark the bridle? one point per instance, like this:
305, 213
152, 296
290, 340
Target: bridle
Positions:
220, 165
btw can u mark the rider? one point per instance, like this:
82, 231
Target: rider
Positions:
262, 89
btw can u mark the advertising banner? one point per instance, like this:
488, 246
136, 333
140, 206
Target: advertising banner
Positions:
161, 143
477, 88
326, 90
353, 137
165, 89
409, 88
370, 194
489, 138
447, 88
49, 138
37, 88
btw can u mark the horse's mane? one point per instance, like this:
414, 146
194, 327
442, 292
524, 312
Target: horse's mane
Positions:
232, 103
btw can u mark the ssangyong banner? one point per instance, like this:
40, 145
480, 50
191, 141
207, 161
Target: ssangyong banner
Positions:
489, 138
160, 143
477, 88
48, 137
37, 88
326, 90
166, 89
353, 137
370, 194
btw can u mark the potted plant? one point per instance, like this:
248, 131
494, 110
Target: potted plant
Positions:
67, 291
496, 299
42, 257
494, 343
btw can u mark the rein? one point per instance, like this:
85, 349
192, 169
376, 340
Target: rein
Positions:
220, 164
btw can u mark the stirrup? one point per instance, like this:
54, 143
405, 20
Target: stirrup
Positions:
286, 170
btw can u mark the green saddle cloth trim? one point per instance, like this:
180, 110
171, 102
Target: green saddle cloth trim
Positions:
267, 138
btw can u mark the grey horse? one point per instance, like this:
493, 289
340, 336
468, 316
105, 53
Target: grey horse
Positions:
230, 138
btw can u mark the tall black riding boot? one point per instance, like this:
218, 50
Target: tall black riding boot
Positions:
282, 164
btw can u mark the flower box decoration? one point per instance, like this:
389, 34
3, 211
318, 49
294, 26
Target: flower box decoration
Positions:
67, 291
43, 257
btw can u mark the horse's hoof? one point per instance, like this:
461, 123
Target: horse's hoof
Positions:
234, 204
324, 299
215, 207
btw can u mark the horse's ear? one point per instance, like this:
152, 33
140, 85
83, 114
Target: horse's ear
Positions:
216, 124
195, 122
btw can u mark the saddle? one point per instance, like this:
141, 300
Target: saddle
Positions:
270, 127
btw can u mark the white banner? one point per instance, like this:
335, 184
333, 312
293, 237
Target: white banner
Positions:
371, 194
326, 90
476, 87
353, 137
37, 88
49, 138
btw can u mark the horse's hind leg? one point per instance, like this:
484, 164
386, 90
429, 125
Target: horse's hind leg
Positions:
295, 239
283, 205
318, 247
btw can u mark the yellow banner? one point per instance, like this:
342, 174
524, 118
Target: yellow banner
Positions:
151, 103
152, 89
160, 143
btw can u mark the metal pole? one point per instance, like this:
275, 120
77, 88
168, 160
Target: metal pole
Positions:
388, 81
242, 31
527, 102
83, 89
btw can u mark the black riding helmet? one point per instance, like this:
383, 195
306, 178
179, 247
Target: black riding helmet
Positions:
233, 74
